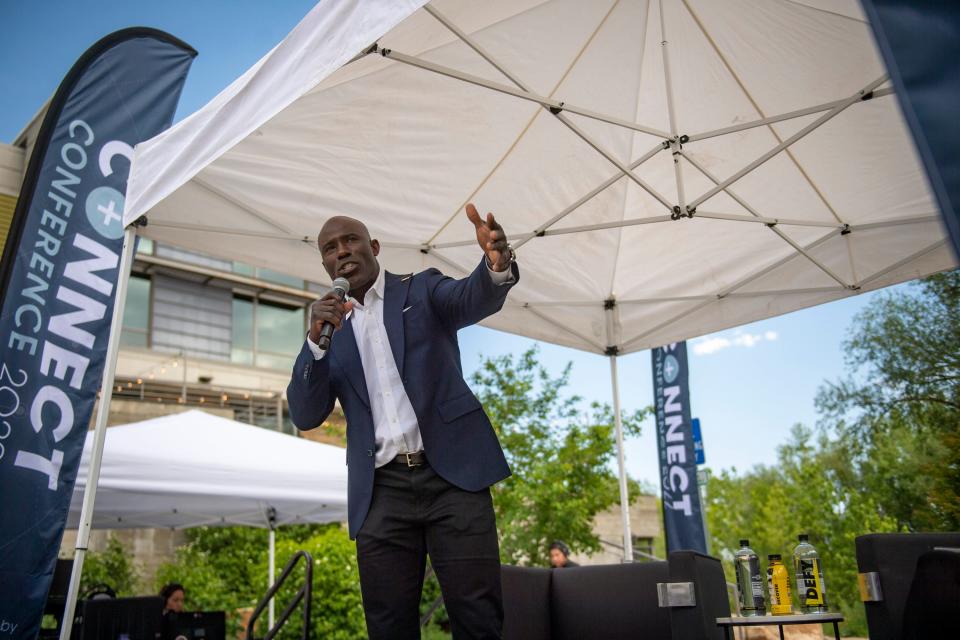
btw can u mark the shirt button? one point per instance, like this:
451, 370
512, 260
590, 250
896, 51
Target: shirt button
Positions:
369, 453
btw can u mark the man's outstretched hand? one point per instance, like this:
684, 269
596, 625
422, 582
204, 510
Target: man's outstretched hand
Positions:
491, 238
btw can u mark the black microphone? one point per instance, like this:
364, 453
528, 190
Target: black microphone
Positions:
340, 288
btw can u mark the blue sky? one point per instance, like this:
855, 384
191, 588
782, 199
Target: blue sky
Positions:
757, 382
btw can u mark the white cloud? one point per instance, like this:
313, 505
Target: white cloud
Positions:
710, 345
706, 346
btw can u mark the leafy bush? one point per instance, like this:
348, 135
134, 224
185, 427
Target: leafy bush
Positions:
113, 567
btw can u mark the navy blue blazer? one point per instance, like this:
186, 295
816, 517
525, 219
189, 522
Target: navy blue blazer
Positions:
422, 314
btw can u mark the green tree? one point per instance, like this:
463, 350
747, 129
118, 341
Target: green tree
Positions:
224, 568
560, 455
337, 610
806, 492
112, 567
897, 412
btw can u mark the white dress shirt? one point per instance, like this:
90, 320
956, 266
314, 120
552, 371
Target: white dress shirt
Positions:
395, 424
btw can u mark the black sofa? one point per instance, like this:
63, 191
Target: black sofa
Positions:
614, 601
893, 561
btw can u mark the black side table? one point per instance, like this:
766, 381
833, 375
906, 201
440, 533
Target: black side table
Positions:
780, 621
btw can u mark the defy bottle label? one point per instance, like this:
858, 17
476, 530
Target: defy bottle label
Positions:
809, 585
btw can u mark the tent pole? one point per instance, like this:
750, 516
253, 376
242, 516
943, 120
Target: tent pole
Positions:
675, 145
624, 497
100, 431
609, 311
271, 569
857, 97
877, 93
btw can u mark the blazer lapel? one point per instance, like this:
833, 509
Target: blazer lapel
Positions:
350, 362
395, 295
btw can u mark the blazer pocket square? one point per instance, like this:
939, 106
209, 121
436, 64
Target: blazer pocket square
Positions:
407, 309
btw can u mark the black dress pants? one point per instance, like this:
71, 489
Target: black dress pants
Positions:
415, 513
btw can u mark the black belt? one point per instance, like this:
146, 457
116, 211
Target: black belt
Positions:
415, 459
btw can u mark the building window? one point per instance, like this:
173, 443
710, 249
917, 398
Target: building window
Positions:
268, 274
266, 334
144, 246
136, 314
241, 347
280, 332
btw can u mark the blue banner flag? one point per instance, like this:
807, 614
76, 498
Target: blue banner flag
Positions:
58, 276
682, 520
920, 44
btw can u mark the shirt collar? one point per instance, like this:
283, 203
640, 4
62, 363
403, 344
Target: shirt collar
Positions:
378, 286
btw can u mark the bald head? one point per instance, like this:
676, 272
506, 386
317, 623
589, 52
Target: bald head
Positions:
337, 224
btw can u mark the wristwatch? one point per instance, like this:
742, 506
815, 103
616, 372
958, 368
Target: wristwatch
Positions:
512, 259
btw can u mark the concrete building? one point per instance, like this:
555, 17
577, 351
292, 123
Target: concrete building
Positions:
645, 528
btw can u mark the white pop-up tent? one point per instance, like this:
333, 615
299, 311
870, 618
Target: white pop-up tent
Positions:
664, 168
192, 469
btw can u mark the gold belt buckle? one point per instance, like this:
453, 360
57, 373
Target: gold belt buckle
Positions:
410, 462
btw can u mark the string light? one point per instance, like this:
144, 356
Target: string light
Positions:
160, 368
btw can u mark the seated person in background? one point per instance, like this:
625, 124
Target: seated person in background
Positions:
560, 556
172, 595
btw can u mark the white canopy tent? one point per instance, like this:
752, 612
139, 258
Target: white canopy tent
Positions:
192, 469
664, 168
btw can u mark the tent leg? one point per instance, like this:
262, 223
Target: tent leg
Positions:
271, 572
100, 431
624, 497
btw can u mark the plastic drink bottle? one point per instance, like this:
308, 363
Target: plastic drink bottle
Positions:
778, 586
749, 581
811, 591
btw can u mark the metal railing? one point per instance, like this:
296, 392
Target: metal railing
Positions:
304, 594
252, 406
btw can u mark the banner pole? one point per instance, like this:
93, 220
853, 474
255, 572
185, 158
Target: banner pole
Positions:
99, 433
624, 497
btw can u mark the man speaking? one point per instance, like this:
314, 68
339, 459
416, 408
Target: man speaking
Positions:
421, 453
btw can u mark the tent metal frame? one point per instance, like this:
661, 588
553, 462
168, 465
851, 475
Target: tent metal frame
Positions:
672, 141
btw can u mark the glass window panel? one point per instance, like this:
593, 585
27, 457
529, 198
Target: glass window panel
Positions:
133, 338
241, 356
136, 313
242, 326
276, 361
280, 278
279, 330
144, 245
244, 269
